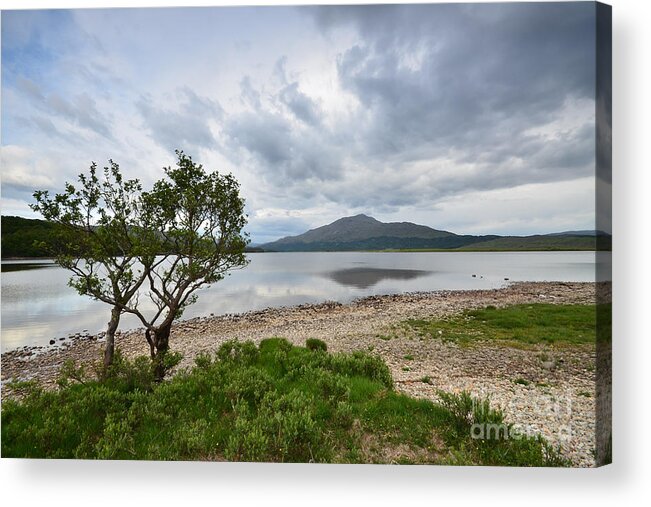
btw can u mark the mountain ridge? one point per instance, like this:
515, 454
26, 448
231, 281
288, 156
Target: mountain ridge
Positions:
355, 233
362, 227
363, 232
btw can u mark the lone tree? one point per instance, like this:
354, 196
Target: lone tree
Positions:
99, 229
196, 218
122, 243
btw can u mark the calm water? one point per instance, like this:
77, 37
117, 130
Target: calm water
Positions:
37, 304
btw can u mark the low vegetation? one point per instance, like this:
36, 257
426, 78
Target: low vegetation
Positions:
272, 402
524, 324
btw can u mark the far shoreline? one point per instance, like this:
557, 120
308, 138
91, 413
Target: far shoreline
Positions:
403, 250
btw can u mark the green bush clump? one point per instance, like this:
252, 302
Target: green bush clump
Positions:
238, 352
273, 402
364, 365
283, 428
493, 438
316, 344
247, 384
464, 410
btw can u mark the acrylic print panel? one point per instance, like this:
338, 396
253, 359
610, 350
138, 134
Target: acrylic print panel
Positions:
336, 234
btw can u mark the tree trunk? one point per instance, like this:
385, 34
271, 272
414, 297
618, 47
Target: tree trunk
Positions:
160, 338
109, 348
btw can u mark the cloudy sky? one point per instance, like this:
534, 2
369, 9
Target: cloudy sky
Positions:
470, 118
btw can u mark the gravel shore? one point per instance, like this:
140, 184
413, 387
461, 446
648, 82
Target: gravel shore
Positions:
542, 389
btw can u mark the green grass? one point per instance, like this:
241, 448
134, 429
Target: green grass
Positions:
524, 324
276, 402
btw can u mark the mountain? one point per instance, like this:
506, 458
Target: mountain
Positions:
361, 232
360, 228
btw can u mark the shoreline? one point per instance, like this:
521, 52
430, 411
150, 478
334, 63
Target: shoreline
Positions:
58, 342
387, 250
555, 403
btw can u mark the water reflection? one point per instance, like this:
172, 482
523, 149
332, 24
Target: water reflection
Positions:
363, 278
38, 304
15, 266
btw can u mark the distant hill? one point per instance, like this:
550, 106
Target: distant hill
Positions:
361, 232
19, 235
590, 232
537, 243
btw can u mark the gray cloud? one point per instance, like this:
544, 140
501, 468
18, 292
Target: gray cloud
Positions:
44, 125
249, 95
266, 136
299, 104
282, 153
304, 108
451, 99
188, 127
264, 229
280, 72
483, 74
79, 109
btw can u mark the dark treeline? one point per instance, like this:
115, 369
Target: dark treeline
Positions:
21, 237
26, 237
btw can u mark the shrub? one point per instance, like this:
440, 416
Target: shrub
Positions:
247, 384
344, 414
363, 365
275, 402
293, 425
459, 407
248, 440
123, 374
238, 352
283, 428
316, 344
331, 386
203, 360
466, 410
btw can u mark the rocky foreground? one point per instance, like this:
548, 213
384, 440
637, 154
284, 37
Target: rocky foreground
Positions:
543, 389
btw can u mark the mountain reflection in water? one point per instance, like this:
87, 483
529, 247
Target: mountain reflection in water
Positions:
363, 278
